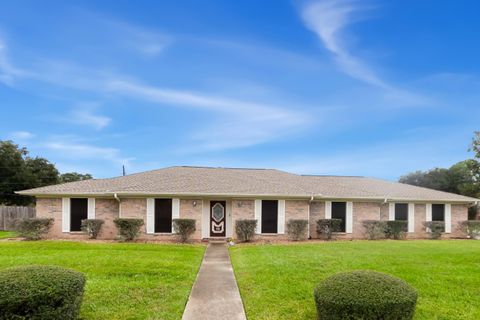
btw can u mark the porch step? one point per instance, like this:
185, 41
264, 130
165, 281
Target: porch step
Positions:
215, 240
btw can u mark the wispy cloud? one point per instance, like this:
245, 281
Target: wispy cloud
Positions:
20, 135
78, 150
83, 114
8, 73
242, 123
329, 20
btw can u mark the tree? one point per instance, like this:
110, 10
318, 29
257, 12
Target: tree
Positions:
74, 176
19, 171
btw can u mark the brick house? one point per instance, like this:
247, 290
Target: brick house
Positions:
217, 197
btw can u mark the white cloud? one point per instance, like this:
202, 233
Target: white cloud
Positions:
328, 19
82, 115
77, 150
21, 135
242, 123
8, 73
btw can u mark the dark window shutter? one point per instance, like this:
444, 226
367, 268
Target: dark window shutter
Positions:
78, 212
339, 211
163, 215
438, 212
269, 216
401, 211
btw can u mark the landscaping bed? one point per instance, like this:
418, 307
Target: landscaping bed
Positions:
124, 281
277, 281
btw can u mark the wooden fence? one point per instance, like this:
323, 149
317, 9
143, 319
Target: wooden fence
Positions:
9, 214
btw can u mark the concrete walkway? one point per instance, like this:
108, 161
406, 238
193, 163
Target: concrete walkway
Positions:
215, 293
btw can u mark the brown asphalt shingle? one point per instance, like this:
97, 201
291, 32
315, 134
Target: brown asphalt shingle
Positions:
245, 182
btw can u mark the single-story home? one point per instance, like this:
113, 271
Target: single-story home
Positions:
217, 197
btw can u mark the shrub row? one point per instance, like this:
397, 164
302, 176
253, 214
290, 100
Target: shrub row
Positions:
296, 229
375, 229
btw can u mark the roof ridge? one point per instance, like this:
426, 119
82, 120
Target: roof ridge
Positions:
228, 168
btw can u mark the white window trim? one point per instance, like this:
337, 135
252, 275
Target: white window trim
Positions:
175, 210
205, 218
391, 211
281, 217
349, 218
65, 214
228, 220
150, 227
328, 209
448, 217
411, 217
428, 214
91, 208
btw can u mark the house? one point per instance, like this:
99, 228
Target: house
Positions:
217, 197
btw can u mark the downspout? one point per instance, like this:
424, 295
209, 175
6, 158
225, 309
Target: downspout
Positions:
119, 206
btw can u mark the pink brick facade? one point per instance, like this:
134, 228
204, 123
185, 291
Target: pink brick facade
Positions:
109, 209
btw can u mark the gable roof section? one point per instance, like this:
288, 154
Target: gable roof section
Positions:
202, 181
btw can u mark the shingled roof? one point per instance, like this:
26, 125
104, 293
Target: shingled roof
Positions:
241, 182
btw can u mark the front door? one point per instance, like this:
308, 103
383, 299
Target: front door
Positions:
217, 218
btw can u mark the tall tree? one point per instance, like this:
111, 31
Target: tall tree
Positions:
74, 176
19, 171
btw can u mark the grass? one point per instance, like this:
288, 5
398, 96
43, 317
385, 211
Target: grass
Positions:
277, 281
7, 234
124, 281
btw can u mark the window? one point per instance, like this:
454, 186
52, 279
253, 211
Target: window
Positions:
269, 216
163, 215
401, 211
339, 211
78, 212
438, 212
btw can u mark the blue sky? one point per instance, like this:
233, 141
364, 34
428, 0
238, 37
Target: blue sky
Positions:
374, 88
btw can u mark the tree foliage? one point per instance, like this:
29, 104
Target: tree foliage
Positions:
19, 171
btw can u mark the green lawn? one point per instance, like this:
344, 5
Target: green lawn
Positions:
277, 281
124, 281
7, 234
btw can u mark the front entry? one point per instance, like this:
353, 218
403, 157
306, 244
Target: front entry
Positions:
217, 218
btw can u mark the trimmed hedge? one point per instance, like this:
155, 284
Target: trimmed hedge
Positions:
40, 292
184, 228
245, 229
374, 229
366, 295
128, 229
92, 227
326, 227
471, 228
33, 228
396, 229
434, 228
297, 229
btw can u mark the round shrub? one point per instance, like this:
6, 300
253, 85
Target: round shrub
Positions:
128, 228
297, 229
40, 292
184, 228
92, 227
364, 295
245, 229
33, 228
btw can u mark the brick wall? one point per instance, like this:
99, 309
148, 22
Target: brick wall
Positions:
242, 209
190, 211
317, 211
364, 211
51, 208
107, 210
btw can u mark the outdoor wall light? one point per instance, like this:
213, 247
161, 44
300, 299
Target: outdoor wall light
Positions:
194, 203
